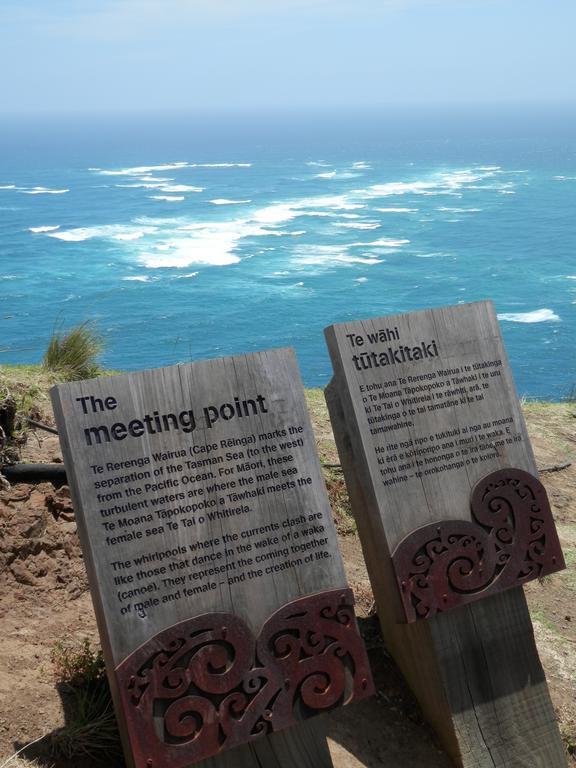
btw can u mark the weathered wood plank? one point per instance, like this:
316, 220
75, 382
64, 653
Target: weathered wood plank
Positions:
423, 406
203, 513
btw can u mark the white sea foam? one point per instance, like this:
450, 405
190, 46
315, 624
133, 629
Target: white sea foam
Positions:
220, 165
168, 198
396, 210
337, 175
180, 188
182, 252
142, 185
39, 230
357, 224
447, 209
41, 191
451, 183
328, 255
383, 242
361, 164
7, 186
106, 231
536, 316
137, 279
128, 236
333, 202
319, 164
361, 280
158, 179
187, 276
140, 170
226, 201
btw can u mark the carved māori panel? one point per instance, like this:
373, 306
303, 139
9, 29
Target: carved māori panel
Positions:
510, 540
207, 684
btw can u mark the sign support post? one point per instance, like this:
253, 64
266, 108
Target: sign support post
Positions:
452, 521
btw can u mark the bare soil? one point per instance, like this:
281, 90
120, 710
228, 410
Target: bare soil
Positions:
44, 599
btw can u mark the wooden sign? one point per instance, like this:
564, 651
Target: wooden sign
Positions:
211, 553
450, 512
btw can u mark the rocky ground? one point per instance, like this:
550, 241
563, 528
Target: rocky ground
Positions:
44, 600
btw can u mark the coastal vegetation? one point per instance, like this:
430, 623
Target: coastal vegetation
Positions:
73, 355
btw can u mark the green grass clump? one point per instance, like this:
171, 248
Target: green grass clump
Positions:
91, 729
73, 355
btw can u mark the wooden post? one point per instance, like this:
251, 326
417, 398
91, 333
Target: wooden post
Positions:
212, 557
424, 409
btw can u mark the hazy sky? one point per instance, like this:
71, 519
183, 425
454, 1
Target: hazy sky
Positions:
185, 54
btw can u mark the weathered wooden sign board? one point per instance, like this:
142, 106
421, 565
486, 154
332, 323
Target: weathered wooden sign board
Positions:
212, 557
451, 516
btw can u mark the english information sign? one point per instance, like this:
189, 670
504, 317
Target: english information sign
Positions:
211, 553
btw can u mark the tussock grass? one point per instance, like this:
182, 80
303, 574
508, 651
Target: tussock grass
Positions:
73, 355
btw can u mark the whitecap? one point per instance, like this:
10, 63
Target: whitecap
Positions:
536, 316
140, 170
39, 230
156, 179
137, 279
361, 164
186, 252
357, 224
336, 175
327, 256
187, 276
180, 188
168, 198
8, 186
447, 209
220, 165
42, 191
396, 210
319, 164
226, 201
106, 231
128, 236
383, 242
361, 280
443, 183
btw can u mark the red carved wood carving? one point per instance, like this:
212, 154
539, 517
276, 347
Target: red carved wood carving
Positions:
511, 539
207, 684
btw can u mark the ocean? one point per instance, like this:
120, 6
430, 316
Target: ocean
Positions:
192, 236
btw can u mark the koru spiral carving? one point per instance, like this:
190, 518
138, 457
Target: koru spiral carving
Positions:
207, 684
511, 539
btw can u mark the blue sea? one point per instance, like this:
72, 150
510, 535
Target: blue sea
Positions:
194, 236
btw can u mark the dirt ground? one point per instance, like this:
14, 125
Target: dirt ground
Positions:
44, 599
